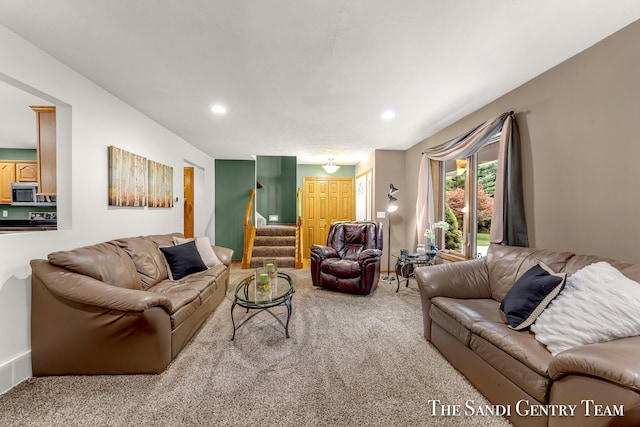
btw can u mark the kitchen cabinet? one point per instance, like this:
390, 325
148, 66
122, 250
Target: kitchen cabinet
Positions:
26, 172
15, 171
46, 139
7, 176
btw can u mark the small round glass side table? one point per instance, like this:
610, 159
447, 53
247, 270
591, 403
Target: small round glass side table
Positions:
406, 264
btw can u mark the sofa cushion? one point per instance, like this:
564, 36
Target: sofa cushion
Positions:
203, 244
469, 311
351, 238
450, 325
183, 260
507, 263
178, 294
520, 345
184, 312
532, 381
598, 304
530, 295
147, 258
203, 282
341, 268
103, 261
164, 239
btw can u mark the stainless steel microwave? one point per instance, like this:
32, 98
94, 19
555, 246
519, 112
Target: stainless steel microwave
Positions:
26, 194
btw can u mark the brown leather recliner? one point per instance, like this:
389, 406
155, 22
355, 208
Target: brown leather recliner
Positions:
350, 262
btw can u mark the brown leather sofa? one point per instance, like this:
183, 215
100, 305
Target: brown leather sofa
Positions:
350, 262
110, 308
462, 319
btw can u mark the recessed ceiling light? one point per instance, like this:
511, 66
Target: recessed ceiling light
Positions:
219, 109
388, 115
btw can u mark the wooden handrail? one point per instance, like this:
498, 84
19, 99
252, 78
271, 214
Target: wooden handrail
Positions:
299, 236
249, 231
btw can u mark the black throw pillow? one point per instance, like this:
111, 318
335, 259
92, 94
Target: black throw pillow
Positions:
183, 260
530, 295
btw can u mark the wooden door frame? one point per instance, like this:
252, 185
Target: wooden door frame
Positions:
188, 181
366, 180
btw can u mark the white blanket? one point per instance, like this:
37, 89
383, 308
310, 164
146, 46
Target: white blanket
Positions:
598, 304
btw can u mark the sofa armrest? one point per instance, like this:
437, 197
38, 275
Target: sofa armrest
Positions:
616, 361
88, 291
224, 254
322, 252
80, 325
467, 279
369, 254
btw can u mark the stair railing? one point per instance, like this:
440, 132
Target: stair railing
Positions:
249, 231
299, 234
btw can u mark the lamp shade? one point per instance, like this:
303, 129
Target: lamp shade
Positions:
392, 206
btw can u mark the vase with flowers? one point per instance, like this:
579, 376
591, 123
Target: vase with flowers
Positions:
430, 234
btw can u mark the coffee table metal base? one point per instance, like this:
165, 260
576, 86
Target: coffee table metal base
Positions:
260, 308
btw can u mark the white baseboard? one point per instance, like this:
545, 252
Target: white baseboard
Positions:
15, 371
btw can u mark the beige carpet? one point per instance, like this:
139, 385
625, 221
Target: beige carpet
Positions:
350, 361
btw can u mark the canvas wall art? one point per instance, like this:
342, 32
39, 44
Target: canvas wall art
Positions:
160, 185
127, 178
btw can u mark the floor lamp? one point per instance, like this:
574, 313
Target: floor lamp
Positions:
391, 207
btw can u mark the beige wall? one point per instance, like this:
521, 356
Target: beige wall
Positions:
580, 148
389, 169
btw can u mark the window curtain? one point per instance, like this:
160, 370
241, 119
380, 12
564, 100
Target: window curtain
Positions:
508, 225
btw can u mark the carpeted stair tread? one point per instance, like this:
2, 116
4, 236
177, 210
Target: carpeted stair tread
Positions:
274, 251
276, 230
275, 241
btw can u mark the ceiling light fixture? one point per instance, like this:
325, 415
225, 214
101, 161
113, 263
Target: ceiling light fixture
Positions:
219, 109
331, 167
388, 115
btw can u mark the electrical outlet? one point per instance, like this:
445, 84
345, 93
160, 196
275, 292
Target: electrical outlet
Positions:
5, 213
381, 215
273, 217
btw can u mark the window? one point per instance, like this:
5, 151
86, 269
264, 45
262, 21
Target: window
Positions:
466, 193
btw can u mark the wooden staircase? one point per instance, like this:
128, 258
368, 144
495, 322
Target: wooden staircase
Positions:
282, 242
275, 242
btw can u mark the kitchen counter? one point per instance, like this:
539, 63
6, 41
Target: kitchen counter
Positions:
15, 226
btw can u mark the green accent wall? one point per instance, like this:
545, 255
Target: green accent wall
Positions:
18, 154
233, 180
277, 174
22, 212
348, 171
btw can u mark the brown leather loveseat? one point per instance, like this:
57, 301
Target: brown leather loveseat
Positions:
113, 308
350, 262
462, 319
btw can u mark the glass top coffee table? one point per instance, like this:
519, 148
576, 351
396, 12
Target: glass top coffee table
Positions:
246, 293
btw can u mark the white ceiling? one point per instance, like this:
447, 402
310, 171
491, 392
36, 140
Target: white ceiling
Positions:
310, 78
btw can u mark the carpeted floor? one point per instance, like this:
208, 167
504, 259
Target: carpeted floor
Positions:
350, 361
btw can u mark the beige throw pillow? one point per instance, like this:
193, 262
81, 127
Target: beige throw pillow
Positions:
203, 244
